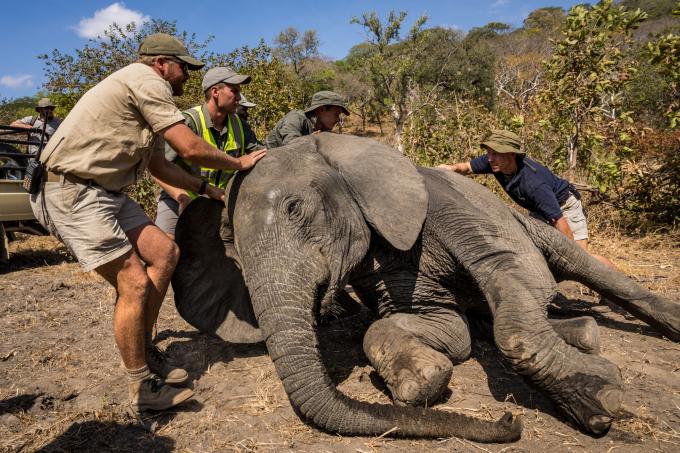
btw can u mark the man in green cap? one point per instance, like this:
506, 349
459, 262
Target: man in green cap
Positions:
531, 185
113, 134
35, 123
322, 115
217, 122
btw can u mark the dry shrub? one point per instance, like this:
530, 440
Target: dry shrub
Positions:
447, 130
650, 195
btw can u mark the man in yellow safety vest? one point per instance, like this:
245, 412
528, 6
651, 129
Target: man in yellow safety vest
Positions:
217, 123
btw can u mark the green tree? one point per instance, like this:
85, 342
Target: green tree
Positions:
69, 76
584, 81
392, 68
297, 49
653, 8
665, 55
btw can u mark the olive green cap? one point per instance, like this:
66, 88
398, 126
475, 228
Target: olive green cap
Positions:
164, 44
44, 103
503, 141
321, 98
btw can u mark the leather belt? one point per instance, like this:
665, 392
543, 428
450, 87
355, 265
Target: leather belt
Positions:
57, 177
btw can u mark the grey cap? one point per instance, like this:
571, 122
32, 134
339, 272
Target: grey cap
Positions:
321, 98
223, 74
164, 44
44, 103
245, 103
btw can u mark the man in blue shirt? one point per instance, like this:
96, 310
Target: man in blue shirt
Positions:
531, 185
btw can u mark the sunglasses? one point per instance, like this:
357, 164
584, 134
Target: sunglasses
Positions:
182, 64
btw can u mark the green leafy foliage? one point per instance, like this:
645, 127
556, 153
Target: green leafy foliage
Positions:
665, 55
651, 192
392, 64
591, 110
69, 76
585, 79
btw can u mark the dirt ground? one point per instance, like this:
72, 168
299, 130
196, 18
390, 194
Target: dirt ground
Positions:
61, 388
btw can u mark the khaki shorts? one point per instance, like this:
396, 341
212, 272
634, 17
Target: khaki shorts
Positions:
88, 219
572, 209
167, 213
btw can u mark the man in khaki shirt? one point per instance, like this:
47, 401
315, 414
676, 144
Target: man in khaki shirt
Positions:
115, 132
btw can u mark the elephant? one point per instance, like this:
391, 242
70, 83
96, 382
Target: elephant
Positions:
430, 252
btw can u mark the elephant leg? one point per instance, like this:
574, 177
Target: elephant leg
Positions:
517, 284
570, 262
414, 353
582, 333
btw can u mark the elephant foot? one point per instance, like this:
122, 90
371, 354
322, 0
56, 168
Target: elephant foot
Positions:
582, 333
414, 373
591, 395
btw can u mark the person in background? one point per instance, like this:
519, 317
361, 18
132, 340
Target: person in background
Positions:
243, 106
322, 115
34, 123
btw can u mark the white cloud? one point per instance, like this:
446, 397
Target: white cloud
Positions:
18, 81
94, 26
499, 3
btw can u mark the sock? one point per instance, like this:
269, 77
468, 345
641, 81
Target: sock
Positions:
138, 374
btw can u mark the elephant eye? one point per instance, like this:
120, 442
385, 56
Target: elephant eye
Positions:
293, 209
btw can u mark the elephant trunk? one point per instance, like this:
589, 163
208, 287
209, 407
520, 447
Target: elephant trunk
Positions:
283, 304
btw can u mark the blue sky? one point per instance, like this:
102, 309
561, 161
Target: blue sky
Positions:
36, 27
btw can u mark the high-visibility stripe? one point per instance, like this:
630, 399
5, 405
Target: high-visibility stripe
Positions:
231, 144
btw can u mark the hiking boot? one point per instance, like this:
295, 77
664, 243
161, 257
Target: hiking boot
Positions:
162, 365
152, 394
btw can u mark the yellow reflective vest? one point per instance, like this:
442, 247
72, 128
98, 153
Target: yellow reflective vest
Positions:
234, 145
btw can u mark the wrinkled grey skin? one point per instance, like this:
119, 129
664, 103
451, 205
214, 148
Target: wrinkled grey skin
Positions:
424, 248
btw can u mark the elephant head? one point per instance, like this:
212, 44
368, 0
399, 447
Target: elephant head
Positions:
302, 219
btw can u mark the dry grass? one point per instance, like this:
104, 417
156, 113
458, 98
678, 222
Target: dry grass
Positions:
61, 389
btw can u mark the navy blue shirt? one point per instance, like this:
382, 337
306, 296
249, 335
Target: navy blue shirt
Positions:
533, 187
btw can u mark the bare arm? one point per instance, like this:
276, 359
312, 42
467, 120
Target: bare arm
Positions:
191, 147
179, 195
463, 168
20, 124
171, 177
562, 225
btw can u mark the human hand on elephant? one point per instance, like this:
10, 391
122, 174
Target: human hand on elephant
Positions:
249, 160
212, 192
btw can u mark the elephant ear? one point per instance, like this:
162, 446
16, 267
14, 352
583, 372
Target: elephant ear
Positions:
386, 185
210, 293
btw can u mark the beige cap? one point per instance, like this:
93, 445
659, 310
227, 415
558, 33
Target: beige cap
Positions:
44, 103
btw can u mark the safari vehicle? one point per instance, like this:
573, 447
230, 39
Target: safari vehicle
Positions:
15, 210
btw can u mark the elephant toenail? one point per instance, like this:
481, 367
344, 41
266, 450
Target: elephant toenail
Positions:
599, 424
611, 399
